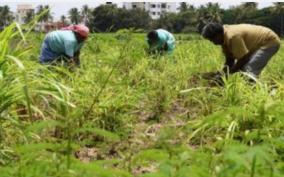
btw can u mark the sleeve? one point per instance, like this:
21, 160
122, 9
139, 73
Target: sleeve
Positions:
162, 39
238, 47
171, 42
69, 48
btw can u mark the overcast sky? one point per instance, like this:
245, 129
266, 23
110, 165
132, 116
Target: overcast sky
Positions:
61, 7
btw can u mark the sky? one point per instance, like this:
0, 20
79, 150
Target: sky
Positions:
61, 7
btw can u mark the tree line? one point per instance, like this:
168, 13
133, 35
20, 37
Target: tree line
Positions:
110, 18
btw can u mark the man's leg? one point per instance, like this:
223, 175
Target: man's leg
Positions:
259, 60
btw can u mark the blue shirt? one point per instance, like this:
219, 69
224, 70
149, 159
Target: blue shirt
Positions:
63, 42
165, 37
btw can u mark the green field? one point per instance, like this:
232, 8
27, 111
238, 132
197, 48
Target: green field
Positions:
124, 113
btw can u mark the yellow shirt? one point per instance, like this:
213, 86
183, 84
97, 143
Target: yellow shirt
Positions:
242, 39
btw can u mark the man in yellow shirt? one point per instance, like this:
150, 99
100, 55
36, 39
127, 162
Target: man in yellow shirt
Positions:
246, 47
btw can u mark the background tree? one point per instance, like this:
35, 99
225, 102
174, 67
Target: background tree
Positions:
250, 6
74, 16
63, 19
135, 18
246, 12
183, 6
184, 21
86, 14
111, 18
29, 16
47, 16
278, 9
190, 19
105, 18
211, 12
6, 16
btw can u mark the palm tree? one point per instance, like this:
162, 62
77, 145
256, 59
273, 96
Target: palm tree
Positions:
63, 19
74, 16
29, 16
250, 5
278, 9
86, 13
214, 12
47, 16
6, 16
183, 6
44, 12
191, 8
245, 12
209, 13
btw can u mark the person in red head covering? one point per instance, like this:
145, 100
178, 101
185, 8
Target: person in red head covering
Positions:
81, 31
64, 44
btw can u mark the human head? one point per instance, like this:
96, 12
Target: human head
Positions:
214, 32
152, 37
81, 32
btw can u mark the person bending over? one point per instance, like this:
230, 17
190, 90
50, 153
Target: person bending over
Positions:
246, 47
160, 41
64, 45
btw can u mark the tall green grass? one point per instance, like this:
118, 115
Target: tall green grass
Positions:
130, 114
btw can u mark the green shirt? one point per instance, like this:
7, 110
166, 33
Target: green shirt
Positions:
63, 42
165, 37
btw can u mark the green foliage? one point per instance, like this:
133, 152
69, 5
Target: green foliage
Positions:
6, 16
124, 113
109, 18
74, 15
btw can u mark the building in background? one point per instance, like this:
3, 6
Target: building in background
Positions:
134, 5
155, 9
49, 26
22, 11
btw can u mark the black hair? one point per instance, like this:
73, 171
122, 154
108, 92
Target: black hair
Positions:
79, 38
212, 29
152, 35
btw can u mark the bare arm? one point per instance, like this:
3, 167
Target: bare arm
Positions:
76, 58
229, 63
240, 63
166, 47
240, 50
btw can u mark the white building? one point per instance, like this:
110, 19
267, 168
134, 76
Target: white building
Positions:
22, 11
155, 9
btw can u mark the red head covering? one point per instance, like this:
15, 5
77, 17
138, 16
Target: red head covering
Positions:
82, 30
